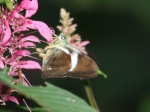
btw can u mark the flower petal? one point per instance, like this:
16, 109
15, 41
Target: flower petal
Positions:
30, 64
7, 33
1, 30
27, 44
84, 43
60, 28
30, 38
13, 99
1, 64
19, 53
31, 7
43, 29
75, 38
70, 29
21, 28
22, 53
15, 14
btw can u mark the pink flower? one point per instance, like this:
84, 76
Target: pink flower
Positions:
16, 44
13, 99
31, 7
68, 29
7, 33
1, 64
43, 29
29, 64
5, 95
30, 38
75, 41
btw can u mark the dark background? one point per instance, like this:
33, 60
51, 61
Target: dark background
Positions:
119, 31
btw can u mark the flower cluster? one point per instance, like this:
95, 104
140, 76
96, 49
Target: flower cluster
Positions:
68, 29
14, 43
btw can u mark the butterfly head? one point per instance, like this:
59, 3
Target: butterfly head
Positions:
61, 39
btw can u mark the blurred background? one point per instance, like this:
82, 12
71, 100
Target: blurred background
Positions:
119, 31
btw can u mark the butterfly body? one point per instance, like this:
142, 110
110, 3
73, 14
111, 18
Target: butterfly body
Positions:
62, 60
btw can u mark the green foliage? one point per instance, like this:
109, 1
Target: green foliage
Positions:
6, 110
102, 73
52, 98
1, 1
8, 3
144, 105
36, 109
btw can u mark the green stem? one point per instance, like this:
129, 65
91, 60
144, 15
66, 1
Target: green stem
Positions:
90, 95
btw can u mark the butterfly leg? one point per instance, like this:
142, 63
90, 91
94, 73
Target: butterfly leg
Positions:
41, 52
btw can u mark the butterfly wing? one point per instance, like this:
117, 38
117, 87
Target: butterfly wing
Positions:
56, 63
85, 67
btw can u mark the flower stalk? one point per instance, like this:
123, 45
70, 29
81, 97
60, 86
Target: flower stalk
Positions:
90, 95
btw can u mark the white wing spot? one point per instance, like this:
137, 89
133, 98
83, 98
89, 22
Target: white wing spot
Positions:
65, 50
49, 68
74, 60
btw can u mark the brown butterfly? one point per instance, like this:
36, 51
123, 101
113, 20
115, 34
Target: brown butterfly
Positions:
62, 60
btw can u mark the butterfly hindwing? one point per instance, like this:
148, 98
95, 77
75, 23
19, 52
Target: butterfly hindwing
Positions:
85, 66
56, 63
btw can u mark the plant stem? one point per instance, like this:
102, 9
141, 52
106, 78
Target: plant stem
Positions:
90, 95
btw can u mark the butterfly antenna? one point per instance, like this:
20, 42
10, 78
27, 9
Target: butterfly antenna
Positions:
35, 53
44, 41
30, 33
55, 35
32, 56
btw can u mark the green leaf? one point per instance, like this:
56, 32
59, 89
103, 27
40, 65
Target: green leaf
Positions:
9, 4
6, 110
53, 98
102, 73
1, 1
35, 109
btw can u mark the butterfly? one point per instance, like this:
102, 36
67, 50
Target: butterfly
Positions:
62, 60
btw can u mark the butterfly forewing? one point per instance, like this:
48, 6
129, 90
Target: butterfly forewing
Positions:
62, 60
56, 63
